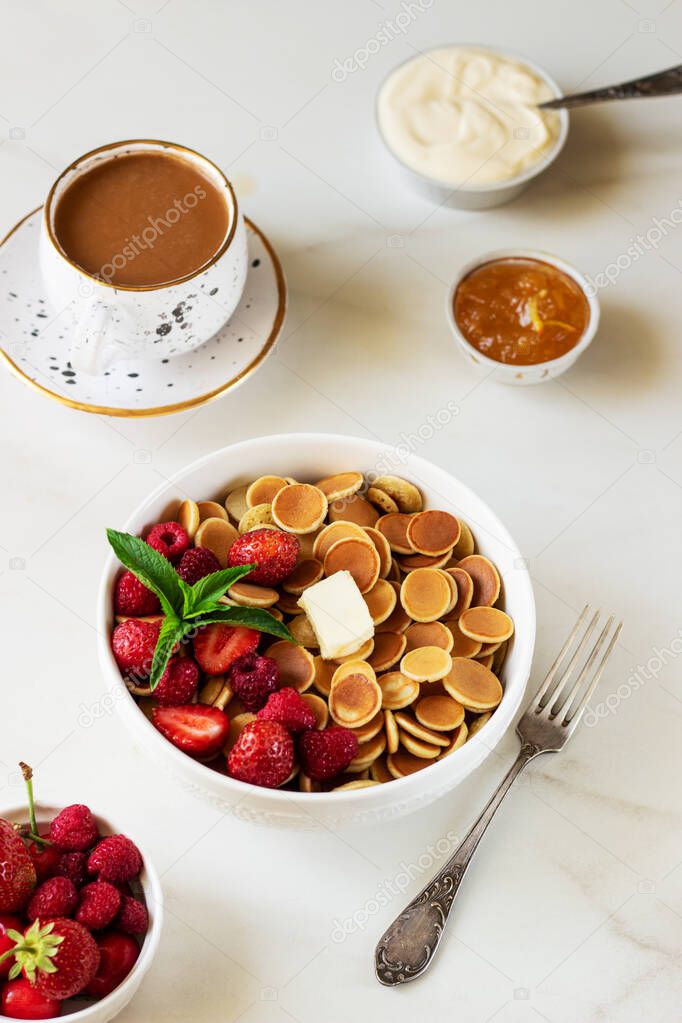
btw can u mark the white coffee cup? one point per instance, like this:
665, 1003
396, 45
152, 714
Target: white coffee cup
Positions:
106, 321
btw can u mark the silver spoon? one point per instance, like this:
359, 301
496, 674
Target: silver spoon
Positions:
663, 83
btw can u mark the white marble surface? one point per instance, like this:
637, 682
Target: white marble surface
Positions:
573, 911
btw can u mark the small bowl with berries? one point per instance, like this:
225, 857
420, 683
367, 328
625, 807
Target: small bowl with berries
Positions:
80, 913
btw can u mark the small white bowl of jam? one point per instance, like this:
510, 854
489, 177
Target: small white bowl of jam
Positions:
522, 315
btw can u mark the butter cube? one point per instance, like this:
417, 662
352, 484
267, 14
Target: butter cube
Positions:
338, 614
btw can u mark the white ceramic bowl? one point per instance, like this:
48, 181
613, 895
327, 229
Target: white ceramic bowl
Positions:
481, 197
508, 373
310, 456
106, 1008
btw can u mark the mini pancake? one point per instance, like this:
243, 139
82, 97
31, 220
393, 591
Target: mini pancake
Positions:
306, 543
397, 691
473, 685
367, 753
405, 494
324, 671
389, 647
211, 510
235, 503
355, 697
428, 634
398, 620
263, 490
353, 509
276, 613
402, 763
381, 500
359, 557
212, 689
237, 726
296, 665
425, 594
381, 600
361, 654
383, 550
394, 527
394, 573
333, 532
453, 590
392, 733
462, 646
379, 772
465, 546
426, 664
299, 508
458, 739
486, 624
439, 713
306, 574
255, 518
189, 518
341, 485
499, 656
433, 532
372, 728
465, 590
360, 783
477, 723
485, 577
409, 562
418, 748
319, 708
354, 668
303, 632
486, 661
251, 595
288, 603
138, 618
217, 536
488, 648
407, 723
306, 784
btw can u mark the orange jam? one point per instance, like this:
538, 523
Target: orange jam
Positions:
521, 311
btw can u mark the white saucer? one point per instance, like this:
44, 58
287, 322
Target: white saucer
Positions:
34, 345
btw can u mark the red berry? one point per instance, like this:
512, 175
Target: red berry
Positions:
73, 959
74, 829
17, 873
253, 679
178, 683
133, 643
115, 859
45, 859
133, 917
290, 709
262, 755
197, 730
55, 897
324, 754
169, 539
21, 1000
273, 552
196, 563
131, 597
8, 922
117, 955
217, 646
73, 865
99, 904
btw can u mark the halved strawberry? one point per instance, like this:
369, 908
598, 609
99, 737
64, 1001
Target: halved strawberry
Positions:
197, 730
217, 646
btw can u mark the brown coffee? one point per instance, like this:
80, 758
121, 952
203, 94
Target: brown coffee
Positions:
141, 219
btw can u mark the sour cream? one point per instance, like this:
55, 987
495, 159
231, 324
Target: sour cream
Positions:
465, 116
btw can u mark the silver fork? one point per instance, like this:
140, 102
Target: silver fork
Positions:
406, 949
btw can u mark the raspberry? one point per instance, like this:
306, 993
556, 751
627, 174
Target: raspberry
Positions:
133, 917
169, 539
115, 859
133, 643
99, 904
324, 754
73, 865
131, 597
56, 897
196, 563
74, 829
262, 755
275, 554
253, 678
178, 683
290, 709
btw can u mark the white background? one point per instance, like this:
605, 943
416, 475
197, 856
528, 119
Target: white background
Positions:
573, 910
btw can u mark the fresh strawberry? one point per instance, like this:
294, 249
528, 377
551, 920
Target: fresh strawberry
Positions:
290, 709
117, 955
66, 948
131, 597
54, 897
273, 552
194, 728
262, 755
115, 859
178, 683
73, 865
169, 539
133, 917
217, 646
74, 829
133, 643
17, 873
327, 753
253, 678
21, 1000
196, 563
7, 922
45, 858
99, 904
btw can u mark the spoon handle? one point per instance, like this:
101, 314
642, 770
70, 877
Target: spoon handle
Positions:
663, 83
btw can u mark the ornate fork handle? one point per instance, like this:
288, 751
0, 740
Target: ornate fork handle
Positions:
663, 83
406, 949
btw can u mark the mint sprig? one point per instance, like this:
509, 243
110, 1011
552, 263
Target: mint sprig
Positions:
187, 608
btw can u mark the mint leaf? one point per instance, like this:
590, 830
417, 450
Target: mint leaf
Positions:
173, 631
251, 617
151, 568
208, 590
